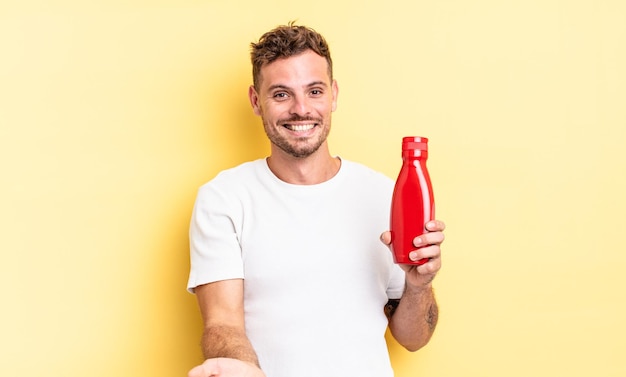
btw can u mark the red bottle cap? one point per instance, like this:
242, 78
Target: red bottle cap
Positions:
410, 143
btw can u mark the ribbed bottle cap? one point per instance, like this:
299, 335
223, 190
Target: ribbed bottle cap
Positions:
410, 143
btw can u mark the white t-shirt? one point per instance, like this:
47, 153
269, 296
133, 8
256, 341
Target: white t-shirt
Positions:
316, 276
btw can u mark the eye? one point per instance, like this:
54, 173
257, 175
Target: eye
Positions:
316, 92
280, 96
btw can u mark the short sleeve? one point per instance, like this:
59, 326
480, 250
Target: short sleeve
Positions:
395, 289
215, 250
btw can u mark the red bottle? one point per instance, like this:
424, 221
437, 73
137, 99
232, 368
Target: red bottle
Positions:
412, 204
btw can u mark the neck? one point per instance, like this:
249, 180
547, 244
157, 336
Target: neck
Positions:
316, 168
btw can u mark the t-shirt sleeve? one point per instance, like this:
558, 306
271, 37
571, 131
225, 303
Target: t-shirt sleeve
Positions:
215, 250
395, 289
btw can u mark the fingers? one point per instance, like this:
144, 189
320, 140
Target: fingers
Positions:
421, 275
427, 252
198, 372
430, 268
428, 247
209, 368
435, 226
434, 237
221, 366
430, 238
385, 237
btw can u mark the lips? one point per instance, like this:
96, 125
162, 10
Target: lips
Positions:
299, 127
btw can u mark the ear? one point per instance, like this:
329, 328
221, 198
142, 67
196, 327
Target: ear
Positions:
254, 100
335, 91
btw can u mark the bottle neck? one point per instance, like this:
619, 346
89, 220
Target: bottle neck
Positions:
414, 154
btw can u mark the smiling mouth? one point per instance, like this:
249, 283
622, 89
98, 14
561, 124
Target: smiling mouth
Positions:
299, 127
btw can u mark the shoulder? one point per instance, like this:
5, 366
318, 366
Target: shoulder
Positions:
234, 177
362, 173
362, 183
239, 172
231, 185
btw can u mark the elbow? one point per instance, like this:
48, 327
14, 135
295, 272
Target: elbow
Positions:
413, 341
415, 346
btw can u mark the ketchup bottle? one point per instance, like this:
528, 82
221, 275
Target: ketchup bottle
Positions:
412, 204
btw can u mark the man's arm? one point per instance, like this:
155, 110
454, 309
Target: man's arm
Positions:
226, 348
413, 318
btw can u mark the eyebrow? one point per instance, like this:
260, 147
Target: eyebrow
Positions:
282, 86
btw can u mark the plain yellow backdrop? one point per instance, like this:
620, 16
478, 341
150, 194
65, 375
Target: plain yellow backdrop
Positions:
112, 113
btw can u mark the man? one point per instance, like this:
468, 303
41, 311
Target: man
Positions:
290, 274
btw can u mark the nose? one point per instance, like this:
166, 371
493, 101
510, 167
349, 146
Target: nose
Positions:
300, 106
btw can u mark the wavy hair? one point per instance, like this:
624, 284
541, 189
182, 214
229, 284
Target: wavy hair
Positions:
286, 41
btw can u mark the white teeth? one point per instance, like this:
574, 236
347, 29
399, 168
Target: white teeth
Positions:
301, 127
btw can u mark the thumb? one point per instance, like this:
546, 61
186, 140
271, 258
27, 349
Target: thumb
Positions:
385, 237
195, 372
201, 371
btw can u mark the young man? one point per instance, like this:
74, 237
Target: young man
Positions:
290, 273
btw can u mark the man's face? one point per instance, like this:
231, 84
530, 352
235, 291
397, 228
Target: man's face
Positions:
295, 100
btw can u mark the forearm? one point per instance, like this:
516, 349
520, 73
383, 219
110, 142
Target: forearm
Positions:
227, 341
413, 322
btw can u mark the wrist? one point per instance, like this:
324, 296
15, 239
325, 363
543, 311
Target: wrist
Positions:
418, 289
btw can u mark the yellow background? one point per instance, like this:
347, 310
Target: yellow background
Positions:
112, 113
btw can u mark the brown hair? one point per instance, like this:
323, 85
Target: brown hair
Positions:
283, 42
